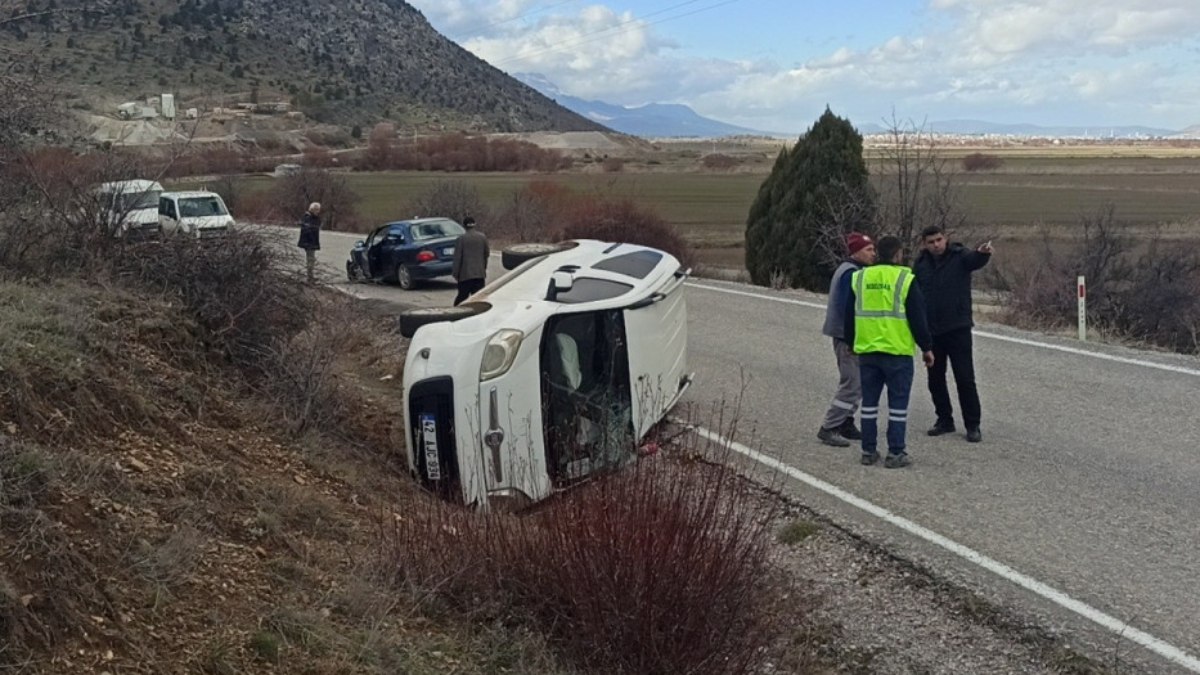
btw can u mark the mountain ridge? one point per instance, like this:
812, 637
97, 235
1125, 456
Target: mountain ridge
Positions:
345, 63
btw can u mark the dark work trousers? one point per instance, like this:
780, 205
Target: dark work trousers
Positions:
896, 373
955, 347
467, 288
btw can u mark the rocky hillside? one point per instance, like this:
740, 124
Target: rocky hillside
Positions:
353, 62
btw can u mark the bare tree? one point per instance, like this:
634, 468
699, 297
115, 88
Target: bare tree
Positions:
918, 185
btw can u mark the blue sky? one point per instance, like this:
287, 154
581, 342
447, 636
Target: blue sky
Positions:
775, 64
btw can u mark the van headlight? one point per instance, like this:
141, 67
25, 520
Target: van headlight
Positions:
499, 354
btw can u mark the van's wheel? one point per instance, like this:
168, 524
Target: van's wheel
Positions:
352, 273
413, 319
404, 277
518, 254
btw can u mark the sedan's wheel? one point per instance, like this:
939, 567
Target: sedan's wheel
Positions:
413, 319
518, 254
404, 278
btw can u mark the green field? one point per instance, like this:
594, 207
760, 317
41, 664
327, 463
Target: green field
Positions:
711, 208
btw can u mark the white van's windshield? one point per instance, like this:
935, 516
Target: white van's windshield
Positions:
200, 207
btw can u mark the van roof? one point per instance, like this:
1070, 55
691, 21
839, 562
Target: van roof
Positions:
133, 185
187, 194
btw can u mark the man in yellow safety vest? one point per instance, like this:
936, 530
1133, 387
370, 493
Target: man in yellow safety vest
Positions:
885, 321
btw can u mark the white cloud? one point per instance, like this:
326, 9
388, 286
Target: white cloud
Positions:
995, 59
995, 31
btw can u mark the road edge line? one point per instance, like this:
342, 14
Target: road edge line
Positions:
1045, 591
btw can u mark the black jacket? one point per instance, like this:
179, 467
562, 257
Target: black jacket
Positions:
946, 284
310, 232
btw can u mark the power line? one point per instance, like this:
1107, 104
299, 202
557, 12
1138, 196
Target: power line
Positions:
627, 25
537, 10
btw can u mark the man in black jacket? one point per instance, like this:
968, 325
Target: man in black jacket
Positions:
944, 272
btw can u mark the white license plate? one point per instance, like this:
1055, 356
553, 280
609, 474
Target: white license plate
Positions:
429, 443
449, 250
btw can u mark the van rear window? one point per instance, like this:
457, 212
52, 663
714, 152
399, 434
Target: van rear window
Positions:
638, 264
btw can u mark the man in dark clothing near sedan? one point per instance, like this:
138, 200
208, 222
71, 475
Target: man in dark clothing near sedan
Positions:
885, 321
470, 261
944, 273
838, 427
310, 238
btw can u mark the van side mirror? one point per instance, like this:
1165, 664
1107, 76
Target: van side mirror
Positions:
563, 281
560, 282
360, 243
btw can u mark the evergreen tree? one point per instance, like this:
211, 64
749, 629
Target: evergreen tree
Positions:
803, 203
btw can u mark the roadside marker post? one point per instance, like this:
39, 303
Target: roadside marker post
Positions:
1081, 285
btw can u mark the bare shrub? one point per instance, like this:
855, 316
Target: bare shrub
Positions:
660, 569
55, 221
457, 152
533, 212
236, 289
718, 161
978, 161
453, 199
1141, 289
623, 220
289, 196
380, 153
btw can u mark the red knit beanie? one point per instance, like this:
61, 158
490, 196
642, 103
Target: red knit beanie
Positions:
857, 241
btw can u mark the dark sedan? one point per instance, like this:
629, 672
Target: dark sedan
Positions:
406, 251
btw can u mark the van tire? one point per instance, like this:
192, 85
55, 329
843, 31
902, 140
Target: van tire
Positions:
518, 254
413, 319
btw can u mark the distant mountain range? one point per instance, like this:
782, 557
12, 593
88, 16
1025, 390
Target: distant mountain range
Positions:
677, 120
653, 120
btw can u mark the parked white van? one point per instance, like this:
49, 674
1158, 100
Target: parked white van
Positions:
551, 373
199, 214
130, 208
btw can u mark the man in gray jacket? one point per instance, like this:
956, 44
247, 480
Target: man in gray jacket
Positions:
838, 428
470, 261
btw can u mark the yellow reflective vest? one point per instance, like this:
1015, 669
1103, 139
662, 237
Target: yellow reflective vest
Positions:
880, 320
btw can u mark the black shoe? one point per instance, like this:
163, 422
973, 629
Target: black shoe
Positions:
896, 461
848, 430
941, 428
974, 435
869, 458
832, 437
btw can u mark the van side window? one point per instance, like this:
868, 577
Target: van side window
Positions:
590, 289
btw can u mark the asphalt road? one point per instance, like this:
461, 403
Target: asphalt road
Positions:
1086, 481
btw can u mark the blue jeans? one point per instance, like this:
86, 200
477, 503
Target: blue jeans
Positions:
896, 373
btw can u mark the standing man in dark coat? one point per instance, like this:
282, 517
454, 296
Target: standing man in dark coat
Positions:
310, 237
944, 272
470, 261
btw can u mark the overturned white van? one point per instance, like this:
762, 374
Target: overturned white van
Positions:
549, 374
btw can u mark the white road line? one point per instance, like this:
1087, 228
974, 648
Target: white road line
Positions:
1160, 647
1183, 370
